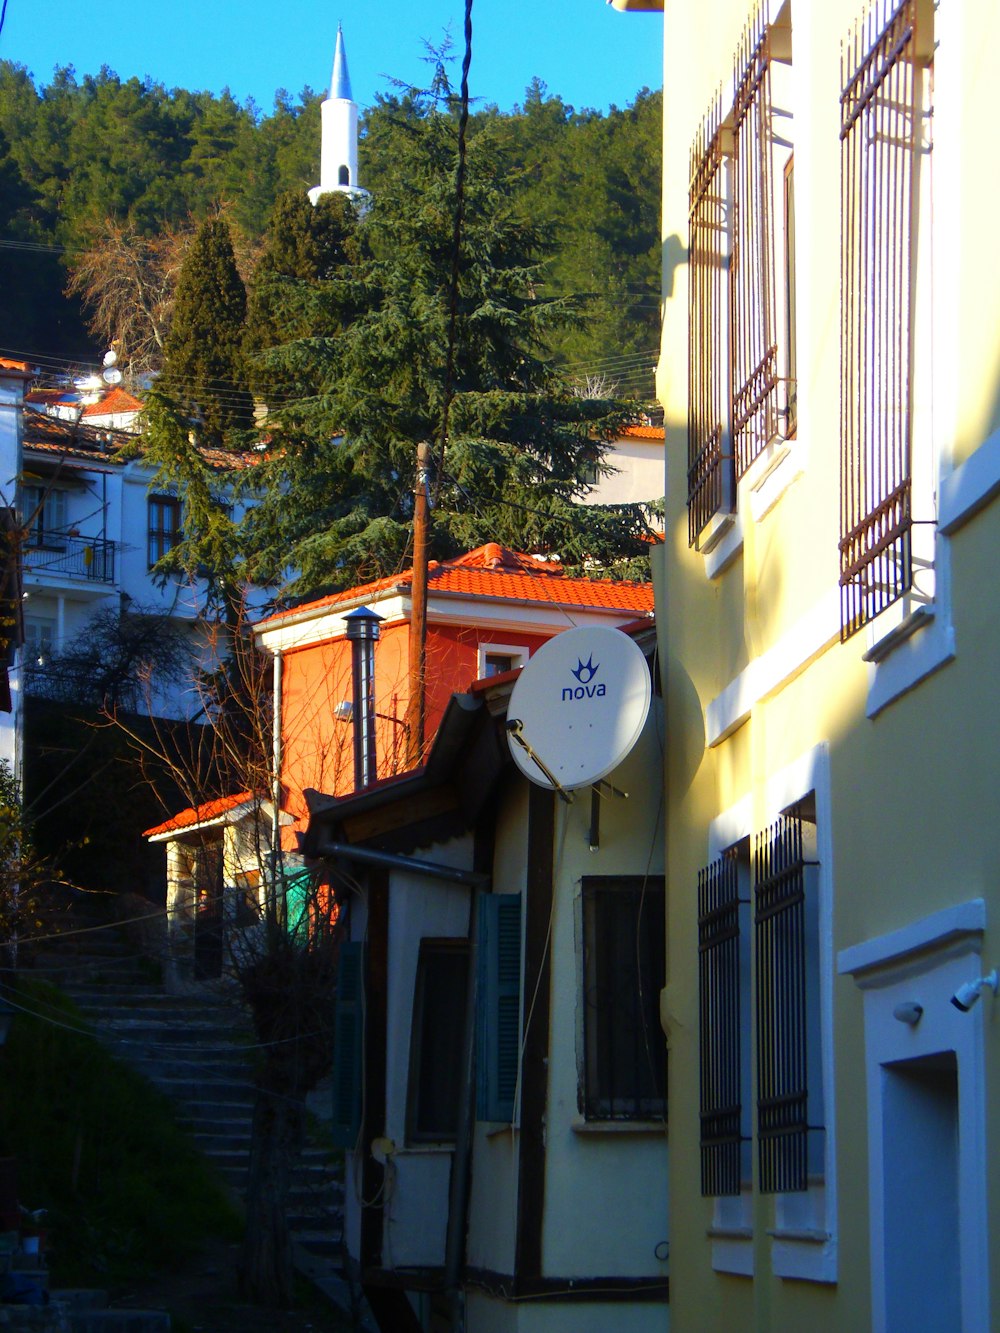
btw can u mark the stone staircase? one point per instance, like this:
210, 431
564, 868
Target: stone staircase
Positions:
197, 1048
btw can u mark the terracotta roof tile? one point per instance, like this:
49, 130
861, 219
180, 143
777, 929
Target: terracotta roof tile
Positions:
643, 433
199, 814
113, 403
500, 574
21, 367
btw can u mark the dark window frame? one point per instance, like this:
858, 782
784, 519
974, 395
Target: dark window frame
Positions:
435, 1055
624, 1075
161, 538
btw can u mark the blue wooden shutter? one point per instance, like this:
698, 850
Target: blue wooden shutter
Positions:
348, 1035
498, 1005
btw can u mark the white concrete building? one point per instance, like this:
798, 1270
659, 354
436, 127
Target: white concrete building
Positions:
93, 530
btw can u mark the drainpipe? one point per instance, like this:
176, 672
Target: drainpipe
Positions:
276, 703
363, 631
416, 708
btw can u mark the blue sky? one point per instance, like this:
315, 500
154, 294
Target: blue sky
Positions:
588, 53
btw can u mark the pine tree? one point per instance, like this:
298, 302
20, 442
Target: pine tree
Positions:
339, 500
204, 371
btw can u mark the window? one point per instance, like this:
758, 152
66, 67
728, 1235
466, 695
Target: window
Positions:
44, 510
741, 303
711, 483
885, 169
498, 1005
496, 658
789, 1065
436, 1040
723, 1018
786, 1009
623, 973
40, 633
164, 527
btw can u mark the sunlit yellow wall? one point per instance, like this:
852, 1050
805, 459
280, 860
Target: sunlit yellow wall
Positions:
914, 790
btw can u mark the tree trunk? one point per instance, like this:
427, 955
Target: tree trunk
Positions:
267, 1273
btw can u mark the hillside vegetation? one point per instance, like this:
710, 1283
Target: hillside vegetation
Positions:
83, 150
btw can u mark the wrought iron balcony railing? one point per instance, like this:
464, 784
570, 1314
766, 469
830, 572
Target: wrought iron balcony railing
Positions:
90, 558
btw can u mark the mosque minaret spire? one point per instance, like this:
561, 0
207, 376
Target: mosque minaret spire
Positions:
338, 170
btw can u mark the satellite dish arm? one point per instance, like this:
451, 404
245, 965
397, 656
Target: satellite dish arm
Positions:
516, 728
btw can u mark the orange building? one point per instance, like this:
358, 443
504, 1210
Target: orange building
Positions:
487, 611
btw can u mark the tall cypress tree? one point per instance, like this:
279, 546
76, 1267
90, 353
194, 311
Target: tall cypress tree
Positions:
205, 369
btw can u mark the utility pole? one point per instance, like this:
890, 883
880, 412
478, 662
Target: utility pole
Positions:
416, 710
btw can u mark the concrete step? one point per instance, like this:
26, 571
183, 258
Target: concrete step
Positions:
183, 1090
119, 1321
161, 1066
236, 1139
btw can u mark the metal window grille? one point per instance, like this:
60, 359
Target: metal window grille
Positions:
624, 972
779, 937
879, 138
719, 1025
710, 460
755, 372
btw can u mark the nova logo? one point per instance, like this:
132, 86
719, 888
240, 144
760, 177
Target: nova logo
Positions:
585, 673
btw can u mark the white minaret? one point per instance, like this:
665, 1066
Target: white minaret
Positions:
338, 163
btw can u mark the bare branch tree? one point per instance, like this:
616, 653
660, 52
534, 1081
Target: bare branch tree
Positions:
127, 282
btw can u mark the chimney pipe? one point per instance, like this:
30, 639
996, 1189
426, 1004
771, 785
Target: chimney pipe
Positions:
362, 631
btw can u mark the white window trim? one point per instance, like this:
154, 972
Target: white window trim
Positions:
804, 1237
925, 962
964, 492
515, 651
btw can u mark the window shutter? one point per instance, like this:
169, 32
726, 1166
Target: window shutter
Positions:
719, 1025
348, 1035
782, 1082
498, 1005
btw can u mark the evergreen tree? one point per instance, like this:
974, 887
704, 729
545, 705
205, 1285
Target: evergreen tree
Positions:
290, 296
338, 503
204, 371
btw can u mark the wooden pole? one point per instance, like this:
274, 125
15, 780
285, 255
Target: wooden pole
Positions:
416, 707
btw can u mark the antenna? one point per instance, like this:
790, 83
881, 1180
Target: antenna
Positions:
578, 708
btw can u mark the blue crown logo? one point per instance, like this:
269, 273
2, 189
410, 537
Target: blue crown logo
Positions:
586, 671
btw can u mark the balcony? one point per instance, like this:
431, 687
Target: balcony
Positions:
62, 557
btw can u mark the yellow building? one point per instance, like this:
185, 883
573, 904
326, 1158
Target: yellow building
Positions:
826, 609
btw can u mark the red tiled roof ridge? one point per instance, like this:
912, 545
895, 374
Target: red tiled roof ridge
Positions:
199, 814
116, 400
644, 432
487, 572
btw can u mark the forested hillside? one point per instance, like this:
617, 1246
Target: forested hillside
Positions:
85, 150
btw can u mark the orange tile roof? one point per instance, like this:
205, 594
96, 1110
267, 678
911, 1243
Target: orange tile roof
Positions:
199, 814
492, 571
114, 402
21, 367
644, 432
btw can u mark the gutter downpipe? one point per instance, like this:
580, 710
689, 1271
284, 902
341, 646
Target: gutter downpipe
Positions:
276, 755
396, 861
459, 1187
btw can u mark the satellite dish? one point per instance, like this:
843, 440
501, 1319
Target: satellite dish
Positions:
581, 703
112, 375
110, 357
